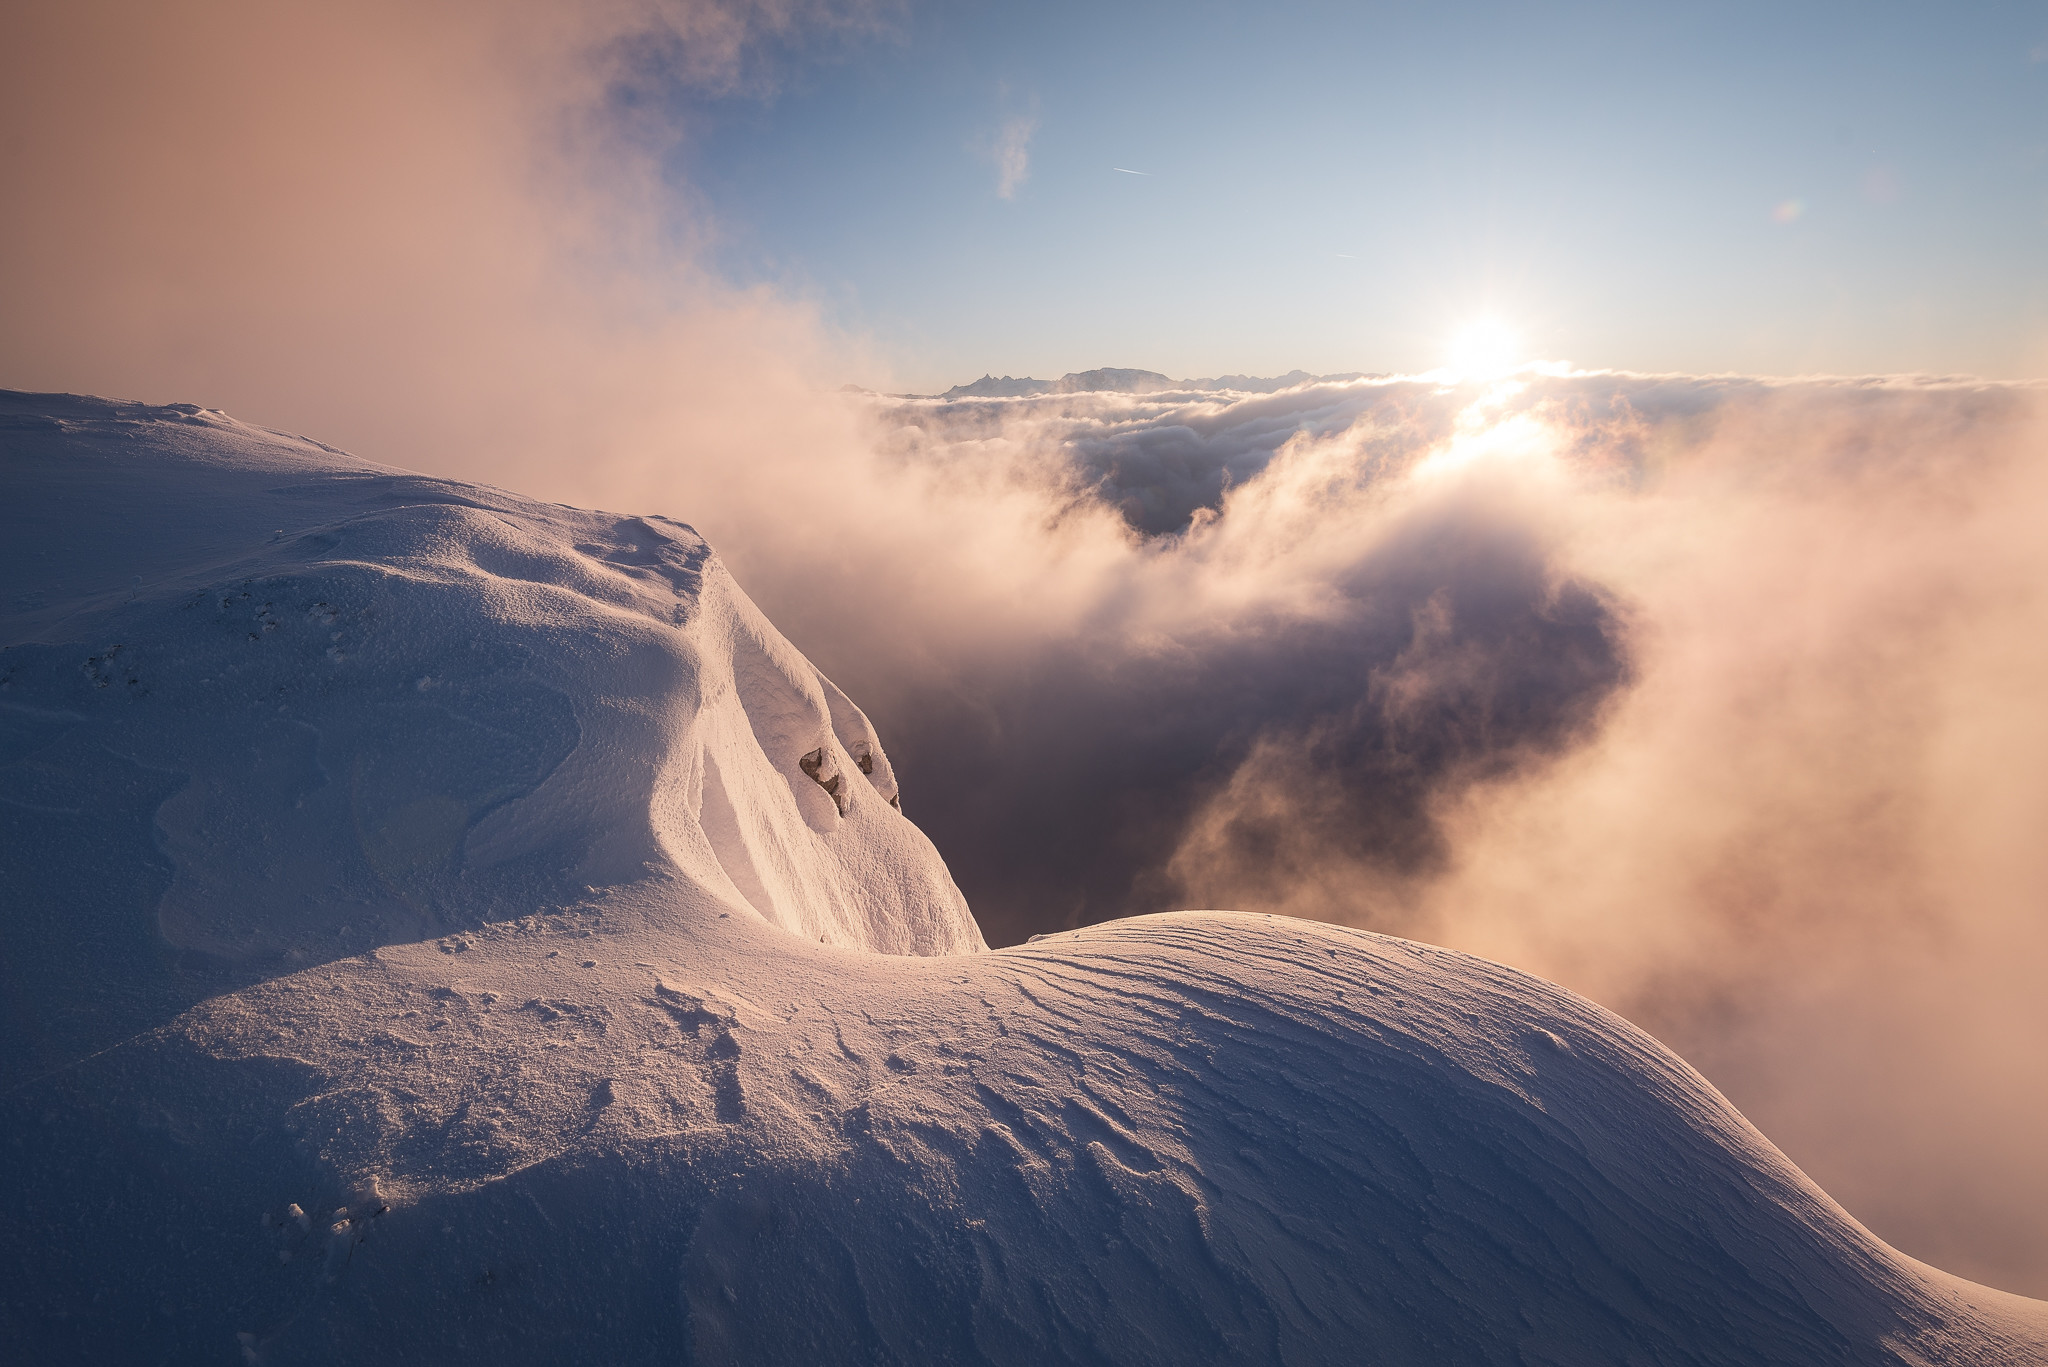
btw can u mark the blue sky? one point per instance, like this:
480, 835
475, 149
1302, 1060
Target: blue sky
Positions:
1779, 189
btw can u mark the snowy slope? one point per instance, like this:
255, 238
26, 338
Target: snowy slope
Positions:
442, 925
337, 706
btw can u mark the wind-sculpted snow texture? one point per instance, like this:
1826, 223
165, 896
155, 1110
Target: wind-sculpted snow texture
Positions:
446, 927
267, 706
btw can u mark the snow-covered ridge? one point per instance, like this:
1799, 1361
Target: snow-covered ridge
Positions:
368, 707
445, 926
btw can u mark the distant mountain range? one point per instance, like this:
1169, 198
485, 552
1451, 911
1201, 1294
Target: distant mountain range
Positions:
1115, 380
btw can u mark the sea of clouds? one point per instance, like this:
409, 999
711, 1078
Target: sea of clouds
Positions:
1715, 698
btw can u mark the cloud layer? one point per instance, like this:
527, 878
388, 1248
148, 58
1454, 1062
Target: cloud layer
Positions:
1710, 697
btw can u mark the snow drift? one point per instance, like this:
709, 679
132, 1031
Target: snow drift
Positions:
443, 924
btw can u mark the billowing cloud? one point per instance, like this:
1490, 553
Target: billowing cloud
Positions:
1711, 697
439, 232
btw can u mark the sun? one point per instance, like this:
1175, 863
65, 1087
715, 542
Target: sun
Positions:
1484, 349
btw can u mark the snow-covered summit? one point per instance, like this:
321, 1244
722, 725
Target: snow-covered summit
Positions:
352, 707
443, 926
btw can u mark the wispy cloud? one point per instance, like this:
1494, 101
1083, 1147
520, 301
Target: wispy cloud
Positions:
1011, 152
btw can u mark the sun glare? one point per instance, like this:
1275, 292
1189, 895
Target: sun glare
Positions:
1484, 349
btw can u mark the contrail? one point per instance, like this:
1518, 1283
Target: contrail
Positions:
1129, 172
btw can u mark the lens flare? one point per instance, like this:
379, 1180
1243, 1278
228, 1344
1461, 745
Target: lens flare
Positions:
1484, 349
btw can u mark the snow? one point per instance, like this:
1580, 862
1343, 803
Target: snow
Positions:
444, 925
